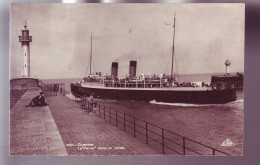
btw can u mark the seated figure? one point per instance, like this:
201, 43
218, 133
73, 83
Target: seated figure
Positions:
38, 101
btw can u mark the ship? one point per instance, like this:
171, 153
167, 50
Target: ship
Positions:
149, 88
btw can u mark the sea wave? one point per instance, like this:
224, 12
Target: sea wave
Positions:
238, 101
179, 104
72, 97
194, 105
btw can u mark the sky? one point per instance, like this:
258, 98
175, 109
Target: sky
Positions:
205, 36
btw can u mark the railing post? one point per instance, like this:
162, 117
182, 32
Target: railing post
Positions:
134, 128
163, 141
104, 112
110, 114
213, 151
183, 145
99, 109
146, 132
116, 117
88, 107
124, 122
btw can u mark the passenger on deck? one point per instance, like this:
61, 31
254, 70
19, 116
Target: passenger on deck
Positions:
38, 101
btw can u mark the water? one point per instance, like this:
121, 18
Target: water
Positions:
209, 124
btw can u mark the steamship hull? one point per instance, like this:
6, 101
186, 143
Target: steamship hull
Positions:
167, 95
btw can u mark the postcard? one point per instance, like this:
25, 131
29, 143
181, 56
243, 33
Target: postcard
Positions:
127, 79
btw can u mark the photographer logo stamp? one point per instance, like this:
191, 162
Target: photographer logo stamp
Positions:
227, 143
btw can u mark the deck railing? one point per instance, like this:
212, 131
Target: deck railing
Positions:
167, 141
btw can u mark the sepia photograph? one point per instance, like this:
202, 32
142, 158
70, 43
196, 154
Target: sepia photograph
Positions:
127, 79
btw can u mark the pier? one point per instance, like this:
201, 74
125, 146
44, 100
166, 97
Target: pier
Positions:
33, 130
62, 128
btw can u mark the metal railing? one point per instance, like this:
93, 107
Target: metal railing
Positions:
167, 141
25, 38
53, 89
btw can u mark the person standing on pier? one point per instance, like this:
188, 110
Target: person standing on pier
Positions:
84, 102
92, 102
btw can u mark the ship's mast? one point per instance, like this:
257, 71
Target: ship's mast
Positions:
173, 47
90, 56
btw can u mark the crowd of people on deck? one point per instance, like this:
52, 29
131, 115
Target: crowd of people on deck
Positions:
192, 84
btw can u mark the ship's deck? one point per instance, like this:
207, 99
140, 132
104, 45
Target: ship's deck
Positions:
101, 86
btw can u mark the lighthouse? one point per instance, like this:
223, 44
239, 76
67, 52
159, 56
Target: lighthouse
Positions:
227, 63
25, 82
25, 40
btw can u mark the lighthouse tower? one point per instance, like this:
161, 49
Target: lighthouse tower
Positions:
25, 40
25, 82
227, 63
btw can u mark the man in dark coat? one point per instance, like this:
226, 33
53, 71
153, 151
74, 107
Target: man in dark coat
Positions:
38, 101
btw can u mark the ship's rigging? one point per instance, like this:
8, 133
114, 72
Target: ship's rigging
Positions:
173, 47
173, 72
90, 59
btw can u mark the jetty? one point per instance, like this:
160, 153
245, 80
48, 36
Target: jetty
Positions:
33, 130
62, 128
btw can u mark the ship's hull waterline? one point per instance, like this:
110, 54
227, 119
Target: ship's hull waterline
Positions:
167, 95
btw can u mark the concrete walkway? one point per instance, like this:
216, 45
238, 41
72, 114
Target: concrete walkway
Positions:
62, 128
33, 130
88, 134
